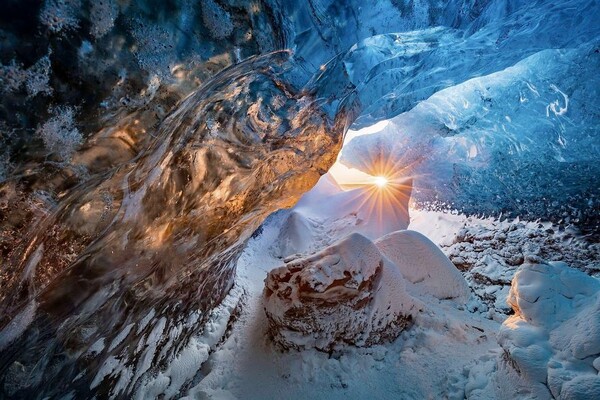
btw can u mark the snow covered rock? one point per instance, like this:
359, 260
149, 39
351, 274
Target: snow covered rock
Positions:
346, 293
421, 262
553, 339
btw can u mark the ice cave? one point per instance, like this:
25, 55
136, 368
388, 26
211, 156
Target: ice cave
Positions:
300, 199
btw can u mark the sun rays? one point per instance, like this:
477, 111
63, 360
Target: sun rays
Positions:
381, 189
380, 181
381, 202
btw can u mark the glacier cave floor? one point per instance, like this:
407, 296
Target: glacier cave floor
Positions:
450, 352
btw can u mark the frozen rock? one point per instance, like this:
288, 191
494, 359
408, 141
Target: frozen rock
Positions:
554, 336
422, 263
347, 293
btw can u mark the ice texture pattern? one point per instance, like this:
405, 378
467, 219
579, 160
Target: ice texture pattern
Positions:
143, 142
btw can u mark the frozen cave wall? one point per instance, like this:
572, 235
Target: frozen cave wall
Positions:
138, 151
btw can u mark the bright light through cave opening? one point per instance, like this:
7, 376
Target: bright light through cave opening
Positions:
381, 181
376, 190
350, 178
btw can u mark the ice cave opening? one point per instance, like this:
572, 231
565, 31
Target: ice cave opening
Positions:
321, 199
381, 181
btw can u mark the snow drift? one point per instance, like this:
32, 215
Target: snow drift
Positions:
422, 263
553, 340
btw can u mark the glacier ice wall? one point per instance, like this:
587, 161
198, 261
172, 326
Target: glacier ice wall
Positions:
521, 141
153, 242
114, 254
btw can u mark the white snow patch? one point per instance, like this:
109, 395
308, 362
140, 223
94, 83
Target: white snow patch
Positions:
554, 336
423, 263
96, 347
120, 337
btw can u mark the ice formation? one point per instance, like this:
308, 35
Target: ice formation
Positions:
164, 229
142, 143
452, 139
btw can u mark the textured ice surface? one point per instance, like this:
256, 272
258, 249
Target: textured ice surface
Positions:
520, 140
125, 249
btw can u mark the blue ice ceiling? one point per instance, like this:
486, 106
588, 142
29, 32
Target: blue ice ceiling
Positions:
494, 104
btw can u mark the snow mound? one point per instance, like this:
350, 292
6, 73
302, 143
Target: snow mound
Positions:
553, 340
421, 262
312, 200
296, 235
346, 293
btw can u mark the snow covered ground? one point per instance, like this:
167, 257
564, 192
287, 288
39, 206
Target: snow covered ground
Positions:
473, 331
452, 350
427, 360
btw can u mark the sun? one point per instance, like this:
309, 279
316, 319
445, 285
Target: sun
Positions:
380, 181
